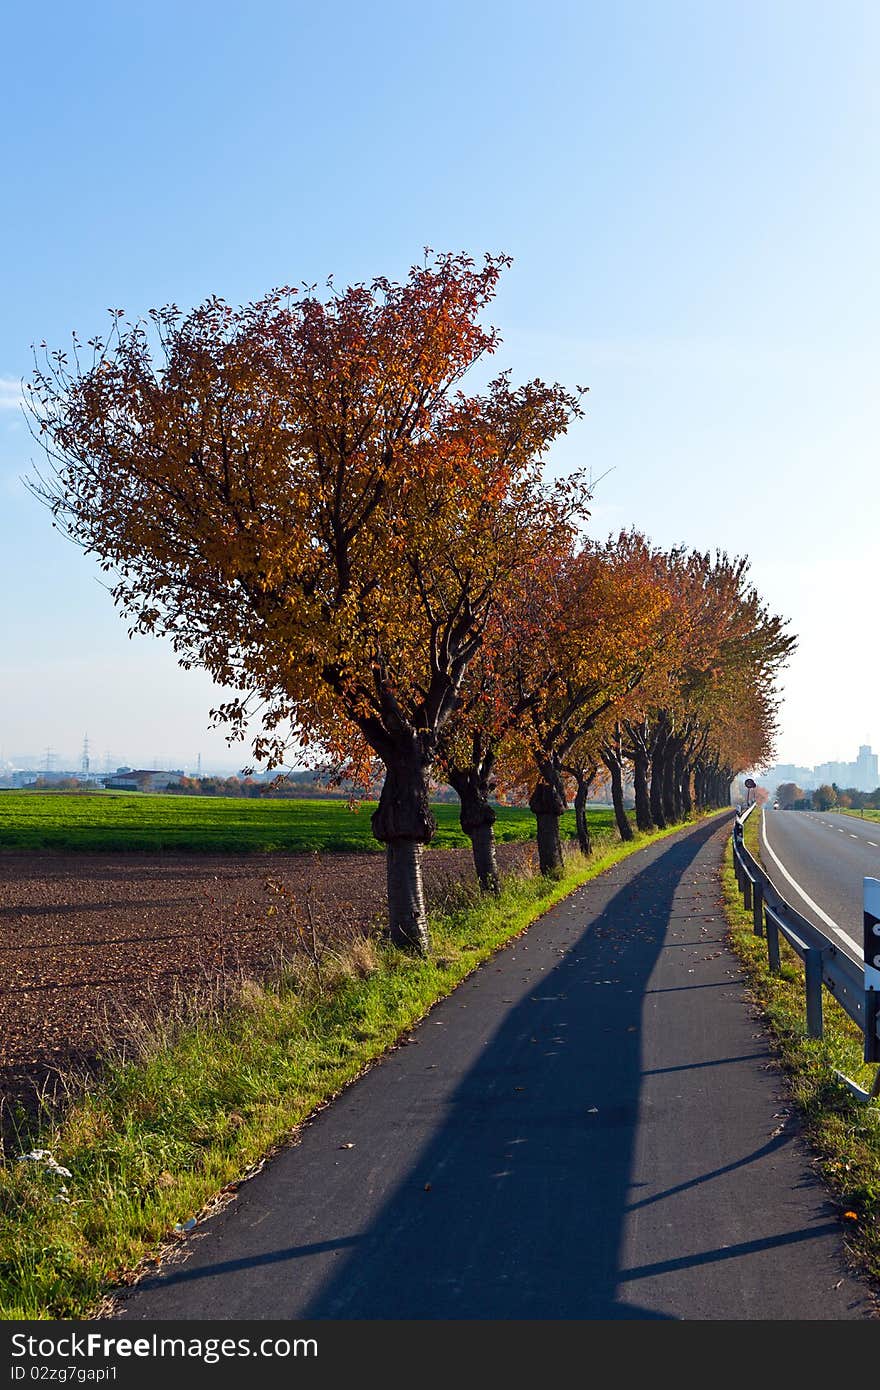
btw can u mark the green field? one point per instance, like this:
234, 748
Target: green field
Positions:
228, 824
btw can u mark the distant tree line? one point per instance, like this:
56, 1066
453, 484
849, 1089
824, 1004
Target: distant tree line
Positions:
791, 797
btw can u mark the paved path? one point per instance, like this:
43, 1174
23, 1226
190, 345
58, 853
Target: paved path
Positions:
589, 1127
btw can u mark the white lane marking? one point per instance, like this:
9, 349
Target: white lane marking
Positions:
850, 940
874, 843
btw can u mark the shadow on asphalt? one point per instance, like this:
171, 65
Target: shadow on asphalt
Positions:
516, 1206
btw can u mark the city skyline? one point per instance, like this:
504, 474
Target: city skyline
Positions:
863, 774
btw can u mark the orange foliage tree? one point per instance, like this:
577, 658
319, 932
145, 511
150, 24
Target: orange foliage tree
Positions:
301, 497
606, 617
519, 655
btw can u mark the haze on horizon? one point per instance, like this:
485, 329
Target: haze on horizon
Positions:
689, 193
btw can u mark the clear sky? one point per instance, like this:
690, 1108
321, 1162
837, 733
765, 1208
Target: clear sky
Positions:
690, 194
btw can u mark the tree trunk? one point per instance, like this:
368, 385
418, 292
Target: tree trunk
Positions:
403, 821
624, 828
477, 819
668, 784
580, 813
585, 840
482, 839
407, 918
687, 801
678, 777
656, 793
699, 800
644, 819
547, 804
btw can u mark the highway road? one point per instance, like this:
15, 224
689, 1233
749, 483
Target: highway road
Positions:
817, 860
590, 1126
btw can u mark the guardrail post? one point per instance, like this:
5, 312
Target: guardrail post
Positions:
772, 944
813, 977
758, 909
735, 861
871, 951
747, 890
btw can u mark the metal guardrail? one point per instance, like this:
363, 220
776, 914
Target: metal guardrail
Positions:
825, 963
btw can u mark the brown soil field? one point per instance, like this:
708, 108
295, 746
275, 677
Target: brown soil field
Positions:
91, 946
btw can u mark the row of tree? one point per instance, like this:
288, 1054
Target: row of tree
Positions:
300, 495
826, 797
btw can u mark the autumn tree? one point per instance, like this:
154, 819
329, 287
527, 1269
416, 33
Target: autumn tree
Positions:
824, 797
301, 497
583, 765
715, 704
609, 626
519, 656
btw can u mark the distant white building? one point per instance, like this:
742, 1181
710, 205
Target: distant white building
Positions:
867, 770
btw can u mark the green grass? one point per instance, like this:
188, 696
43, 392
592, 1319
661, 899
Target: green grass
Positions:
157, 1138
861, 815
112, 821
844, 1132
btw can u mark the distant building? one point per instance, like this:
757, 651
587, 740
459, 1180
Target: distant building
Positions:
142, 780
803, 777
868, 775
27, 777
863, 774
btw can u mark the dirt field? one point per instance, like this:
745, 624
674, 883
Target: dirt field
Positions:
90, 943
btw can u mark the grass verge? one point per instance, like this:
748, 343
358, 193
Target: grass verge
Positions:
164, 1136
844, 1132
867, 814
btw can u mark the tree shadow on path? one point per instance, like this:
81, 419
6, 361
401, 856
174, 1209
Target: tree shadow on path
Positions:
515, 1206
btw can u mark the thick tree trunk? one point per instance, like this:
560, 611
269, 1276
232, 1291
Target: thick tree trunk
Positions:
656, 793
585, 840
477, 819
678, 777
547, 804
407, 918
687, 801
403, 821
668, 785
482, 839
624, 828
644, 819
698, 787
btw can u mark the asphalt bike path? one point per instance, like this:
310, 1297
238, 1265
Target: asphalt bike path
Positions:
591, 1126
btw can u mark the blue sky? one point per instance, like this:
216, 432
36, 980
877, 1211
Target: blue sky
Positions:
689, 193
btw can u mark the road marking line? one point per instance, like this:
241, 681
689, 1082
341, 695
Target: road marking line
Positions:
851, 941
874, 843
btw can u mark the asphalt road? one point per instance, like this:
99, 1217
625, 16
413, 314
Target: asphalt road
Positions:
818, 862
591, 1127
